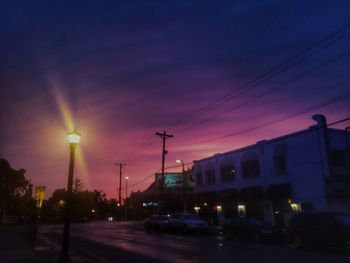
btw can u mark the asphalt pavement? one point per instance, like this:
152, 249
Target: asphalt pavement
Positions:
128, 242
14, 247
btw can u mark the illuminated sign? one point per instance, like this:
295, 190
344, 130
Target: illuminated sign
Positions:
39, 195
150, 203
174, 180
171, 180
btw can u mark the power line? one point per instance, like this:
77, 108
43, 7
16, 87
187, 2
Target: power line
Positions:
175, 166
153, 174
260, 79
340, 121
145, 145
338, 98
273, 89
267, 113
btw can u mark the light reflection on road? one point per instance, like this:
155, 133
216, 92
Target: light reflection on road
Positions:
131, 237
113, 239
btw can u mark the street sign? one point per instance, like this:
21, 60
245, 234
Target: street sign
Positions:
39, 195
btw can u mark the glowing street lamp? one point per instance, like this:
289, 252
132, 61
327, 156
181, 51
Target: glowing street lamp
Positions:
183, 182
182, 162
73, 138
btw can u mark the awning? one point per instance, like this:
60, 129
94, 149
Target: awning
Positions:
278, 191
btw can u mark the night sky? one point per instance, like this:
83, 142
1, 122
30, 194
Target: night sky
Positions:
218, 75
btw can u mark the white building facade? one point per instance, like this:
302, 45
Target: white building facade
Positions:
272, 179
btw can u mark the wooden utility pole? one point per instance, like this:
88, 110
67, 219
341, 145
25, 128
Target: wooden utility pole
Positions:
164, 136
120, 180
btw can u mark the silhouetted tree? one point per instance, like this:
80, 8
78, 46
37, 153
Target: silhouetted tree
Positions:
86, 205
78, 185
13, 186
53, 208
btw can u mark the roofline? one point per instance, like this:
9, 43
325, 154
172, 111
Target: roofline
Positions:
268, 141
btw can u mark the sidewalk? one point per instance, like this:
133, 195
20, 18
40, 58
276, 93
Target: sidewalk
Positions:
15, 248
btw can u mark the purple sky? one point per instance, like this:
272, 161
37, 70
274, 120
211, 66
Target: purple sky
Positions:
120, 72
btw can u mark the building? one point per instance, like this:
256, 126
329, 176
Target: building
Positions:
272, 179
177, 187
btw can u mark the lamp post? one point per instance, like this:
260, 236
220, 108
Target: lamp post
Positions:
347, 129
73, 138
126, 196
183, 183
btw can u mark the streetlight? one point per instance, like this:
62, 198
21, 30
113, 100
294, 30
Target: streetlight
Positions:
126, 196
73, 138
347, 129
183, 182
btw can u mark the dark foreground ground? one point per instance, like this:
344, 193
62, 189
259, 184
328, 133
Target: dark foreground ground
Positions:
15, 248
128, 242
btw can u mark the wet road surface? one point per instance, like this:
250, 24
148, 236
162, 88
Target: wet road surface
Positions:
128, 242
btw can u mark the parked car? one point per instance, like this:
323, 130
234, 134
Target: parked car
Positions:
157, 222
187, 222
251, 229
320, 229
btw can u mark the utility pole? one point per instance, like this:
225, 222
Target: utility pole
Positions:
120, 180
164, 136
126, 197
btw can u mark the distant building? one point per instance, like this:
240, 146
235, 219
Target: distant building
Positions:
272, 179
150, 201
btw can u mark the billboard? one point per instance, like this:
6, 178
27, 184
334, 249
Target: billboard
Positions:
174, 180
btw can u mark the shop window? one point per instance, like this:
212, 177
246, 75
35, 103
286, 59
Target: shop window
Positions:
242, 212
227, 173
210, 177
296, 208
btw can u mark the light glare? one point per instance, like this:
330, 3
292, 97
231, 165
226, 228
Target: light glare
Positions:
74, 137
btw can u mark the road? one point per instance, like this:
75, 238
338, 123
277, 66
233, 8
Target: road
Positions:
128, 242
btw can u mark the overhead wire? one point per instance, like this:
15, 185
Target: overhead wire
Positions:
265, 76
153, 174
270, 91
277, 109
176, 166
274, 71
258, 80
338, 98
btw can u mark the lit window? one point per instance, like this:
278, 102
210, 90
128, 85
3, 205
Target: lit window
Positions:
295, 207
241, 210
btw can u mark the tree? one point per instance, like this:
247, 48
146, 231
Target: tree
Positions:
78, 185
53, 208
13, 186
